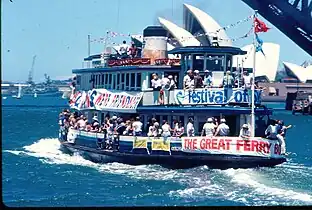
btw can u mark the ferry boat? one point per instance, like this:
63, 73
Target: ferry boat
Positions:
122, 87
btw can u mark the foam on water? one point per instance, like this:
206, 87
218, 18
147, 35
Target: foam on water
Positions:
247, 186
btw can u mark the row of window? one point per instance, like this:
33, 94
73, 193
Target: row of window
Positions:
117, 81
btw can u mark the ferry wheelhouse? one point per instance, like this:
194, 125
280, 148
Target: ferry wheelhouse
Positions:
122, 87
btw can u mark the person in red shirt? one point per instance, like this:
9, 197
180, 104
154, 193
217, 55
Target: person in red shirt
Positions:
133, 50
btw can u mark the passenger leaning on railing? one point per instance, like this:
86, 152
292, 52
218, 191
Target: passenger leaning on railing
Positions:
190, 130
137, 126
244, 132
178, 130
223, 129
209, 128
166, 129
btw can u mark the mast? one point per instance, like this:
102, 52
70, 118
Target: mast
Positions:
89, 37
253, 80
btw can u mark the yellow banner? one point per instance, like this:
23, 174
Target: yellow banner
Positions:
139, 143
161, 144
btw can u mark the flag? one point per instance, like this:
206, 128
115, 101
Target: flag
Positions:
259, 44
260, 26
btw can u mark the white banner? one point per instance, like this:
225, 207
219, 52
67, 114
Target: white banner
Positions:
102, 99
232, 146
215, 96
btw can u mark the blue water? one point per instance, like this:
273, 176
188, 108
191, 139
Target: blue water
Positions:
37, 173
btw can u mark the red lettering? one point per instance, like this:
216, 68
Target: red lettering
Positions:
228, 141
261, 146
239, 143
202, 144
194, 144
208, 143
186, 144
254, 145
268, 147
214, 143
221, 144
246, 145
277, 149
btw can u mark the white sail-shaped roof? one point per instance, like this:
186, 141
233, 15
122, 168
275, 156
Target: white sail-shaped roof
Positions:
208, 24
302, 73
266, 65
183, 37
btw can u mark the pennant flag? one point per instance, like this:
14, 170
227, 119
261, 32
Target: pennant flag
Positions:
259, 44
260, 26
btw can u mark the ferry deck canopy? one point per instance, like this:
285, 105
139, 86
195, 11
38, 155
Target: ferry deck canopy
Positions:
207, 49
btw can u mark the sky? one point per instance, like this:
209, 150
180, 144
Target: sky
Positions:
56, 31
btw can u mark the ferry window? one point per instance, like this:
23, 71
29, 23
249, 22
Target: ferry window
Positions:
114, 81
122, 81
106, 80
118, 81
78, 79
109, 81
102, 79
138, 83
132, 79
127, 81
157, 117
165, 117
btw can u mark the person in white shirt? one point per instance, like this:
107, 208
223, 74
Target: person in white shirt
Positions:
207, 79
272, 130
156, 131
223, 129
137, 127
188, 80
208, 128
156, 85
247, 80
190, 128
123, 50
82, 123
179, 130
166, 129
172, 84
244, 132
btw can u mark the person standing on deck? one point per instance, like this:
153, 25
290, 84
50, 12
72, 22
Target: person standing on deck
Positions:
247, 80
228, 82
190, 128
137, 127
123, 50
223, 129
281, 130
198, 81
188, 80
244, 132
207, 79
166, 130
156, 85
271, 131
209, 128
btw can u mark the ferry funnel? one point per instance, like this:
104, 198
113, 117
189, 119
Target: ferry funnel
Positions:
154, 43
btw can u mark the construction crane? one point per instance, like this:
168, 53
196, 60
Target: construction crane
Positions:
31, 72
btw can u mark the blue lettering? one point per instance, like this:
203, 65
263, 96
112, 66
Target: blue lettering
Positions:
219, 97
211, 95
238, 97
195, 97
202, 97
246, 96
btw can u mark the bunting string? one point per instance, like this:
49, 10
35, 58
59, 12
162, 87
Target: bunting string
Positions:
112, 34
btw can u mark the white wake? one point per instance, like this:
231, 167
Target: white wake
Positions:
247, 186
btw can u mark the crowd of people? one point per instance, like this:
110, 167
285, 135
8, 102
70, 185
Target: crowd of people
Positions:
134, 127
193, 80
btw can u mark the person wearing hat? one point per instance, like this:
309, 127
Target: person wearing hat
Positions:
209, 128
207, 82
198, 81
244, 132
190, 130
172, 84
223, 129
188, 80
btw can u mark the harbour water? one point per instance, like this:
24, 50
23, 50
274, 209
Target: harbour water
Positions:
37, 173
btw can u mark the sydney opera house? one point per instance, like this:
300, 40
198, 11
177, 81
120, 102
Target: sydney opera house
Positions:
196, 21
